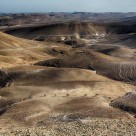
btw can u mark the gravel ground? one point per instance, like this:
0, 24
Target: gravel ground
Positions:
93, 127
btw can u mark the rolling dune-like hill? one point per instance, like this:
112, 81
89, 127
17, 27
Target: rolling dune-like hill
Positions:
66, 73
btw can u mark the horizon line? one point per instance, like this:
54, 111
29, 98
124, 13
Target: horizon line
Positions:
65, 12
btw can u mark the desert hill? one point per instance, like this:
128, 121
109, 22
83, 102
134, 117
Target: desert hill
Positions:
66, 72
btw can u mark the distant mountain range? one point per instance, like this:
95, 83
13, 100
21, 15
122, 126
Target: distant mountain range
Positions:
9, 19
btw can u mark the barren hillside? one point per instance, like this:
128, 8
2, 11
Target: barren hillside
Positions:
67, 73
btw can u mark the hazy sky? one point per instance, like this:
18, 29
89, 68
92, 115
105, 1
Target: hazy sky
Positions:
67, 5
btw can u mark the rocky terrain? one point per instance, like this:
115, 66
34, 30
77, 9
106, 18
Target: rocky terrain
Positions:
93, 127
68, 77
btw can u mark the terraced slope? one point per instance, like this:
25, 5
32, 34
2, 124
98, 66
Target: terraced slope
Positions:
70, 28
112, 67
126, 102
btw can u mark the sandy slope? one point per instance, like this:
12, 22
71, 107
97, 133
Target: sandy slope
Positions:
43, 83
